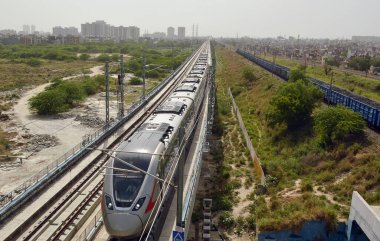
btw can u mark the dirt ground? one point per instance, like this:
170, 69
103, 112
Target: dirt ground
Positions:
44, 139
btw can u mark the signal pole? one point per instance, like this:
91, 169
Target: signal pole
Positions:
107, 94
121, 88
143, 72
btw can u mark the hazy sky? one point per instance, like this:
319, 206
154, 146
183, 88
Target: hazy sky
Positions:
256, 18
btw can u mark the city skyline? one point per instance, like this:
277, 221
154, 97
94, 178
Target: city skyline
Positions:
258, 18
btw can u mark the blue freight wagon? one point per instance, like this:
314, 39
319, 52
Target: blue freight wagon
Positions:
368, 109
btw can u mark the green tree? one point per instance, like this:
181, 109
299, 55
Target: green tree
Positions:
298, 73
293, 104
332, 61
337, 124
361, 63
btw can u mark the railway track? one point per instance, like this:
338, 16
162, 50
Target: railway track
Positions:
60, 215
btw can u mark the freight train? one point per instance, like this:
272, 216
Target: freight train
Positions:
129, 195
368, 109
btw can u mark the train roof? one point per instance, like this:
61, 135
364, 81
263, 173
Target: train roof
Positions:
174, 107
192, 80
186, 87
145, 140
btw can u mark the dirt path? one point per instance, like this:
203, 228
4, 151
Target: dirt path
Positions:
67, 132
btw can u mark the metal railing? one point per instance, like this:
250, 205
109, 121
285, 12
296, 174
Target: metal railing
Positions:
92, 228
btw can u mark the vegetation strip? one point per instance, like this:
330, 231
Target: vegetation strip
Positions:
255, 159
310, 173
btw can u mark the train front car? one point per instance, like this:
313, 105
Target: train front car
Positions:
129, 195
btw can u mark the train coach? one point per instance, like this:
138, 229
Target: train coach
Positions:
132, 185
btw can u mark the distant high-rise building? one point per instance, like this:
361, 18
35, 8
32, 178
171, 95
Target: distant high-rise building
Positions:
101, 29
181, 32
32, 29
133, 33
60, 31
170, 33
26, 29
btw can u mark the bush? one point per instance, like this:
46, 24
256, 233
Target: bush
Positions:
115, 57
34, 62
298, 73
84, 57
103, 58
336, 124
221, 202
62, 95
73, 92
49, 102
135, 81
293, 104
307, 186
248, 74
226, 220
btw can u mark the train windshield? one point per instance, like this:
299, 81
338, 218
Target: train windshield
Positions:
127, 183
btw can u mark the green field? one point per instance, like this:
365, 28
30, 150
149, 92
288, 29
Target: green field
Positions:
361, 85
305, 180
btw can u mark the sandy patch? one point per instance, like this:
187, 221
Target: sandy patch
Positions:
45, 139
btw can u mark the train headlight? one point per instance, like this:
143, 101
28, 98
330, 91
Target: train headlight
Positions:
139, 204
109, 204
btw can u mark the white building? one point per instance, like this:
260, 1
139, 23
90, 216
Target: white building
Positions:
181, 32
170, 33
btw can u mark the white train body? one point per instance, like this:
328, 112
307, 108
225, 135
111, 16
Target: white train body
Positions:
129, 197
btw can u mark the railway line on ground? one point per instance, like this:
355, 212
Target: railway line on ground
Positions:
64, 205
367, 108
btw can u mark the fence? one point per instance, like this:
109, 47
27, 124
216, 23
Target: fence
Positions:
255, 159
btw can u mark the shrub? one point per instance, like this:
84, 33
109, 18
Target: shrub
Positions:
34, 62
337, 124
293, 104
115, 57
221, 202
298, 73
103, 58
84, 57
307, 186
226, 220
135, 81
62, 95
73, 92
248, 74
49, 102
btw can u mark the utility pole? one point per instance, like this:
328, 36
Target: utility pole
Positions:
172, 57
143, 73
107, 94
330, 91
121, 88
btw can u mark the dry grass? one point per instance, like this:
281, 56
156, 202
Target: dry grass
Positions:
289, 156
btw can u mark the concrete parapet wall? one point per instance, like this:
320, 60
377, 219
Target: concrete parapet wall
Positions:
364, 216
